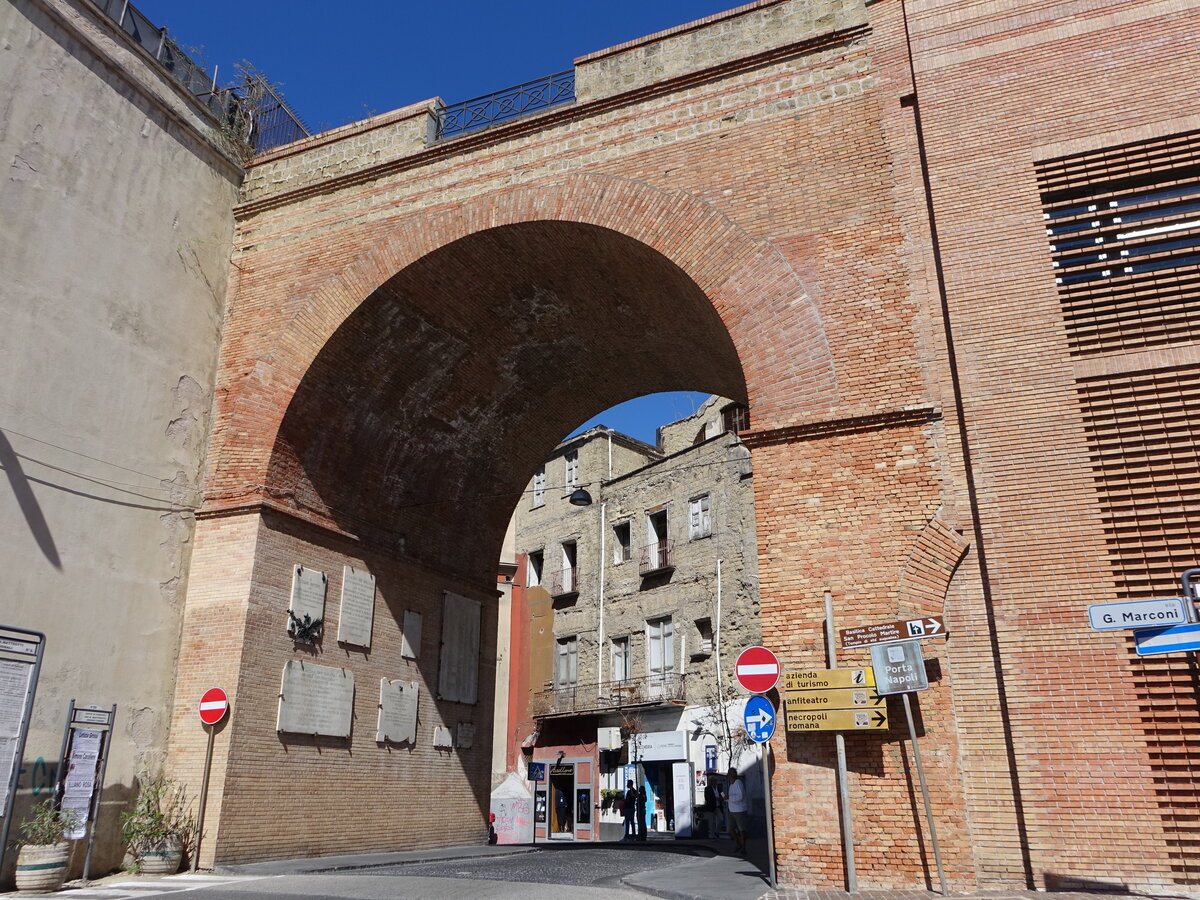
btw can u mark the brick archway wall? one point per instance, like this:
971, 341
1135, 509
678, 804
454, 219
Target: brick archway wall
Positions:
271, 340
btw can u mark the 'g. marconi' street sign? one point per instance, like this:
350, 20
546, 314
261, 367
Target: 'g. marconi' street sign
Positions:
1138, 614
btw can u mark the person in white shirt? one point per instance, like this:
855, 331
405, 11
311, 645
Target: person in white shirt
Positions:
737, 807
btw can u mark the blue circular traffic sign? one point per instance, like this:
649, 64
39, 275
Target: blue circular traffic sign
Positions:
759, 719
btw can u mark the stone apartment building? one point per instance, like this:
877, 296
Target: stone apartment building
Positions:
634, 602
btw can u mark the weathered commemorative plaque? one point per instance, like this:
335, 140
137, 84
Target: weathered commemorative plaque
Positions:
308, 594
410, 637
466, 735
358, 607
315, 699
398, 702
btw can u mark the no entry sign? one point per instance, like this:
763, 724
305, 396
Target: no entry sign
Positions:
757, 669
213, 706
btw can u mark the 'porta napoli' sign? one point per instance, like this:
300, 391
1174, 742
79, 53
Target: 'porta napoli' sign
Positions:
1137, 614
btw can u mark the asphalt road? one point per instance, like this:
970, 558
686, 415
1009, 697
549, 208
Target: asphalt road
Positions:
577, 866
581, 873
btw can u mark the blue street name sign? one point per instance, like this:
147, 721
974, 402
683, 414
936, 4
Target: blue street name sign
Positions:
1176, 639
537, 771
1137, 614
759, 719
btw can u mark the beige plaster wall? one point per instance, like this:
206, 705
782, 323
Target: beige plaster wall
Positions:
115, 246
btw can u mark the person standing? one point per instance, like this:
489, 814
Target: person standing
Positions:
737, 807
641, 812
629, 811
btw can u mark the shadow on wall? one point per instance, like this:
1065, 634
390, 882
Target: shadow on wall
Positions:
20, 484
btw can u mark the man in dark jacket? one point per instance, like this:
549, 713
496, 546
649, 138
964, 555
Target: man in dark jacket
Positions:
629, 811
641, 812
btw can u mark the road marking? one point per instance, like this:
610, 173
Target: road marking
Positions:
128, 890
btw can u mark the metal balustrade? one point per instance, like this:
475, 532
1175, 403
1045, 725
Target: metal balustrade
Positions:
657, 557
653, 690
565, 582
490, 109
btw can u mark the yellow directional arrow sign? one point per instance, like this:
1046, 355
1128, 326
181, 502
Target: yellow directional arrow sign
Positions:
837, 720
840, 698
825, 679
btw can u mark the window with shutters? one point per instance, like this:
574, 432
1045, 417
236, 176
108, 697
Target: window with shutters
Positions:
567, 671
539, 487
699, 517
533, 568
572, 463
622, 542
660, 648
622, 669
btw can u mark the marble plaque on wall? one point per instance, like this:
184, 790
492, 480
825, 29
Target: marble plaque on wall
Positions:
410, 644
358, 607
466, 735
308, 594
442, 739
397, 711
315, 699
458, 668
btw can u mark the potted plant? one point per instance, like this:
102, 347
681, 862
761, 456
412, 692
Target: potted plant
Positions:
42, 859
158, 827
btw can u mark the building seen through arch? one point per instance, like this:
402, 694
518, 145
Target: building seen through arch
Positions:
629, 613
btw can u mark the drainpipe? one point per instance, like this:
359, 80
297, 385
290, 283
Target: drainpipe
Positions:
717, 662
600, 629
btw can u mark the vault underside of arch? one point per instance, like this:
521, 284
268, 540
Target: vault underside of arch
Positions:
421, 419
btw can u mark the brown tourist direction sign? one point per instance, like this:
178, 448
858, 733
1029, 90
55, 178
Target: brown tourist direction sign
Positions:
905, 630
827, 679
837, 720
839, 698
833, 700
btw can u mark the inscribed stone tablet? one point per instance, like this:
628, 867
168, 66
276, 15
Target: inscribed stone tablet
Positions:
315, 699
397, 711
442, 738
466, 735
358, 607
458, 669
308, 594
411, 638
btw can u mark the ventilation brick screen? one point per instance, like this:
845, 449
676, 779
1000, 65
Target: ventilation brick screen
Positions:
1124, 231
1145, 454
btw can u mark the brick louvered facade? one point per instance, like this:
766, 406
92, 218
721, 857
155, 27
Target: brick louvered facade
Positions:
834, 211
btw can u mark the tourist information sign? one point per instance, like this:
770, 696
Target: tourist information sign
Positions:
825, 679
890, 632
1138, 614
899, 668
1176, 639
833, 700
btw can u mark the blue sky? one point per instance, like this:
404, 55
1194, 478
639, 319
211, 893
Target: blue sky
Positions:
338, 63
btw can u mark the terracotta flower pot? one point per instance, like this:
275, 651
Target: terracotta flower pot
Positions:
163, 859
42, 867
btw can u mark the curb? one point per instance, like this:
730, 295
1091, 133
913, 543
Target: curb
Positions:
318, 866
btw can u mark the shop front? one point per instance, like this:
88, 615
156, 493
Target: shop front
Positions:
668, 777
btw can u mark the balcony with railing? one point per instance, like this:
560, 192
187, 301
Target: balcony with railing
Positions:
564, 584
657, 559
610, 696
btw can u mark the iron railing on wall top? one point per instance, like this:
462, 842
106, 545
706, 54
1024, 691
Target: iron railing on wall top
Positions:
480, 112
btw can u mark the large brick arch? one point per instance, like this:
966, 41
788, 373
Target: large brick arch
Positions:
272, 341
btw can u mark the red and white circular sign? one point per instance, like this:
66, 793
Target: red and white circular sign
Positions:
757, 669
213, 706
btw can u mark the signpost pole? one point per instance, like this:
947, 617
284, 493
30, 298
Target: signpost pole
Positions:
765, 757
105, 747
937, 853
843, 777
212, 733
